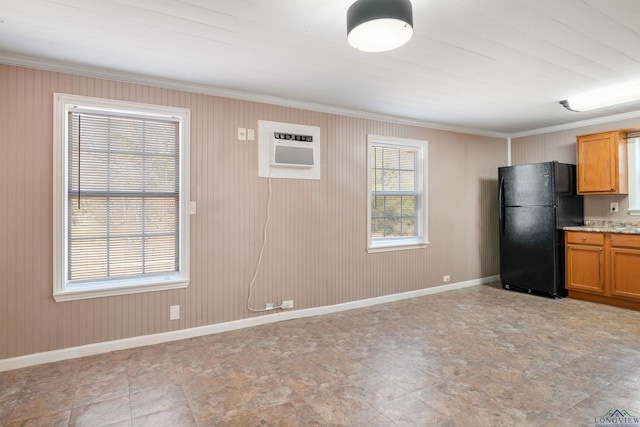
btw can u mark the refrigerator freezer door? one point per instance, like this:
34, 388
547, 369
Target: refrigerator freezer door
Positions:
528, 249
565, 178
527, 185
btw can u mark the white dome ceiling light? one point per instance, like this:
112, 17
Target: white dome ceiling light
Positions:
379, 25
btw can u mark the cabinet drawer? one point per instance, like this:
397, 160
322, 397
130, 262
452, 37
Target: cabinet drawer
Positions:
625, 240
585, 238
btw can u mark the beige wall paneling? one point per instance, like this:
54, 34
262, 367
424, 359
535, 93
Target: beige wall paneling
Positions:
316, 249
483, 193
561, 146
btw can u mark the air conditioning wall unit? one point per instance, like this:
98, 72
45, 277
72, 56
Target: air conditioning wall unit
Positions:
287, 150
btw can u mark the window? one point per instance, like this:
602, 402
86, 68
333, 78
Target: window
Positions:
121, 197
397, 197
633, 146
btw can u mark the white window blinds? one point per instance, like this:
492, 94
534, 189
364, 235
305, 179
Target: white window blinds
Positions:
395, 192
123, 201
633, 145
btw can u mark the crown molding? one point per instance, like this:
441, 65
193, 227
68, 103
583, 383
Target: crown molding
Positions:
125, 77
579, 124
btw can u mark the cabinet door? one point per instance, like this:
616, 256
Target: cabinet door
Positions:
625, 273
597, 164
585, 268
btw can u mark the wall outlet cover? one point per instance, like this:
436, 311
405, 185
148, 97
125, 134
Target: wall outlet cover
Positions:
174, 312
287, 304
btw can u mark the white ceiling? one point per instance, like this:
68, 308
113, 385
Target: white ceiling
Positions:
492, 65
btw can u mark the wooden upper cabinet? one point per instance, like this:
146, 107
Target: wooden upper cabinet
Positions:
602, 163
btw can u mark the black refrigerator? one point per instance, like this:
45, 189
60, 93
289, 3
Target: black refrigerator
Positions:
536, 201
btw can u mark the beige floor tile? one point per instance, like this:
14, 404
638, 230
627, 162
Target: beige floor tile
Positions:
102, 413
479, 356
176, 416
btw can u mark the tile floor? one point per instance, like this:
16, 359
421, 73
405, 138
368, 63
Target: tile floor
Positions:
480, 356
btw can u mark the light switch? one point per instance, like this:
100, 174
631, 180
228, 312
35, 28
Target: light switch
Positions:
251, 134
242, 134
192, 208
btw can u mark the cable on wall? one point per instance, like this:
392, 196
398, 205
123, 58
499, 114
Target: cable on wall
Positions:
259, 263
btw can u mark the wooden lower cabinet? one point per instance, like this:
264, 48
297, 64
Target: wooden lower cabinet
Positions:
603, 267
585, 266
625, 266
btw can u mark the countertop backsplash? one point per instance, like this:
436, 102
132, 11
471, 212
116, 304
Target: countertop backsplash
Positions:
598, 207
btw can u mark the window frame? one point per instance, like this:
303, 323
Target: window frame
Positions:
63, 103
633, 153
420, 240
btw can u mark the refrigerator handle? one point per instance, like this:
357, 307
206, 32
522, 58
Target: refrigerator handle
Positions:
501, 203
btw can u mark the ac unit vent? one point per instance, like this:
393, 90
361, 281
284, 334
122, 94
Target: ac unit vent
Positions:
293, 156
288, 150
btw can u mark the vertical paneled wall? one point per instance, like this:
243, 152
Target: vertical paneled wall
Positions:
561, 146
316, 247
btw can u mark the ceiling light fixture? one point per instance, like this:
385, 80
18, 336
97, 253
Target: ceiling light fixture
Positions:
379, 25
605, 97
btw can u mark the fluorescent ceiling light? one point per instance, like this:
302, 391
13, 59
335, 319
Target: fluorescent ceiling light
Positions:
612, 95
379, 25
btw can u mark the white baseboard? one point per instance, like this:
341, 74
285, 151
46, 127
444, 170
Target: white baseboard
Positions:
126, 343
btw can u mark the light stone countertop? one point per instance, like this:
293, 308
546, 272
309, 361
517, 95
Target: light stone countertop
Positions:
604, 226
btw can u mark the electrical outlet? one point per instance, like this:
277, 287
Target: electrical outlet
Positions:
286, 305
613, 207
251, 134
174, 312
446, 278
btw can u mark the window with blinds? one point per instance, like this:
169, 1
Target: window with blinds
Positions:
396, 193
123, 215
633, 144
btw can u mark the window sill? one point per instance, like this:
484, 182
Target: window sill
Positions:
397, 245
633, 211
87, 292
